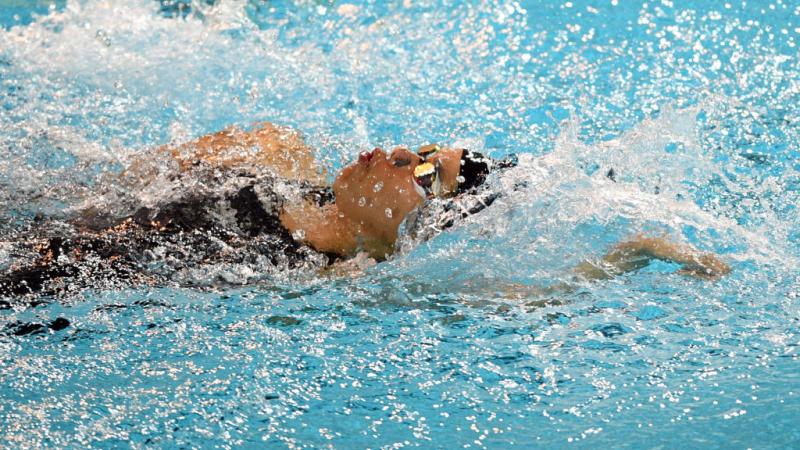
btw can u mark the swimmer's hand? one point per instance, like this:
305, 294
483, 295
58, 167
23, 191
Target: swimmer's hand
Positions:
639, 251
706, 266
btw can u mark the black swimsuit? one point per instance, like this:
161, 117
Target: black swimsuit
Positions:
223, 235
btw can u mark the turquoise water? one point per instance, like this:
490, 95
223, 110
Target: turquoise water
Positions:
695, 105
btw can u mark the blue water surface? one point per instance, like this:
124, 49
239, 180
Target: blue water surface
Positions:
695, 105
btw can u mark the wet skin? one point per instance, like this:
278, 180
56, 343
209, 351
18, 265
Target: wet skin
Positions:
373, 196
378, 190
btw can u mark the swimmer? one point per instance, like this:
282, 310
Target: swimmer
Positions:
258, 196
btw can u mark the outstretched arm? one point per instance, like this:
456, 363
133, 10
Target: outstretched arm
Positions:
639, 251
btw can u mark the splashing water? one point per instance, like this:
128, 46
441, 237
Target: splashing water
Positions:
654, 118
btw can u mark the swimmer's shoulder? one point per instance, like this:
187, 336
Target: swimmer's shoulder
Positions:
280, 149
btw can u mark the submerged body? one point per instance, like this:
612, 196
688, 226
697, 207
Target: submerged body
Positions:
258, 198
241, 226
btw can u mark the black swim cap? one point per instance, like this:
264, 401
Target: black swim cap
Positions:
475, 167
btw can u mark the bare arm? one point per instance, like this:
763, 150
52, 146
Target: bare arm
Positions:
639, 251
277, 148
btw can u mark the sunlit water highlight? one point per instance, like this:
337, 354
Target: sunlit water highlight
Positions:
694, 106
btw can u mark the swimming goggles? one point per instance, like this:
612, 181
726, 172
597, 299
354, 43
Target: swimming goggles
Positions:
426, 174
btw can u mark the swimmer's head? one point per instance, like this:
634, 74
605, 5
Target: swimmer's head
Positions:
379, 190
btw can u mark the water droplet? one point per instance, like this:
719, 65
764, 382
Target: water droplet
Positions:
103, 37
378, 186
389, 212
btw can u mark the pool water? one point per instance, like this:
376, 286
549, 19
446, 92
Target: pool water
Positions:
694, 105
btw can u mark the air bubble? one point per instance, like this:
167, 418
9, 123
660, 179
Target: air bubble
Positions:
362, 201
378, 186
389, 212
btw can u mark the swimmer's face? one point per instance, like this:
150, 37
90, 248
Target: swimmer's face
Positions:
379, 190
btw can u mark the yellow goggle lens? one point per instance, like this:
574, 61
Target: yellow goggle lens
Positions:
424, 170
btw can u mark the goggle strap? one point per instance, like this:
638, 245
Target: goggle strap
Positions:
428, 150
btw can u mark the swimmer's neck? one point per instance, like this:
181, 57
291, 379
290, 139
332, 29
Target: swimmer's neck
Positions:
326, 229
